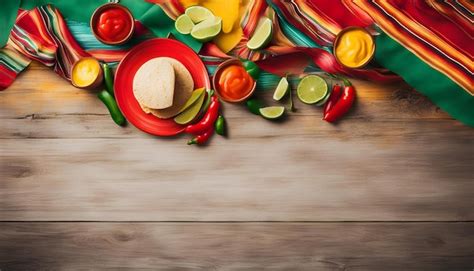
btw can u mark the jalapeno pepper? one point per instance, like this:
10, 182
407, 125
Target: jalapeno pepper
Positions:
220, 125
251, 68
335, 94
108, 78
114, 110
205, 104
343, 104
207, 121
202, 138
254, 105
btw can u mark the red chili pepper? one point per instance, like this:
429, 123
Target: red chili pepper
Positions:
207, 121
335, 94
343, 104
202, 138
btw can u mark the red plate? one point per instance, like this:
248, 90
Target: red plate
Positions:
133, 61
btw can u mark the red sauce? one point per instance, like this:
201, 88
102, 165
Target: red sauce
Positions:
114, 24
234, 82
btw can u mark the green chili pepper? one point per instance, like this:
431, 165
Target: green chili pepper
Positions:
220, 125
109, 79
254, 105
251, 68
114, 110
206, 104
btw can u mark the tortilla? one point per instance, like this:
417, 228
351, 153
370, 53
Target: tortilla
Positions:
183, 88
154, 84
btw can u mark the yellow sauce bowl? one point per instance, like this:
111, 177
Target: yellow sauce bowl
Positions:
354, 47
87, 73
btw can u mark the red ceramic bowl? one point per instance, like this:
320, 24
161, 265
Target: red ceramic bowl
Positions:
129, 66
95, 19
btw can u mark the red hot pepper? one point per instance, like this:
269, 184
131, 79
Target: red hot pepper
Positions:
343, 104
335, 94
202, 138
207, 122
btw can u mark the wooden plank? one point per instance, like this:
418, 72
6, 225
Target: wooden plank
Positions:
101, 126
247, 246
39, 91
300, 178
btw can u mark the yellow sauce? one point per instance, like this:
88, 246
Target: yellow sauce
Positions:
85, 72
354, 48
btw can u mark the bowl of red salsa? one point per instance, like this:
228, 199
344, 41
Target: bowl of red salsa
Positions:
232, 82
112, 24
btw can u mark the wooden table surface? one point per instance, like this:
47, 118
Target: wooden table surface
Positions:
389, 188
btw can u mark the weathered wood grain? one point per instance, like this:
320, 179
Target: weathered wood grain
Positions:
297, 178
244, 246
396, 157
39, 91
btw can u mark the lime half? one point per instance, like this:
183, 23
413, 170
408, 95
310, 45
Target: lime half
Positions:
272, 112
262, 35
207, 30
198, 14
324, 100
281, 90
191, 112
312, 89
184, 24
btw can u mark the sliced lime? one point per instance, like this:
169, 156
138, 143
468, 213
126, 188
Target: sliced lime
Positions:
197, 93
198, 14
184, 24
272, 112
281, 90
324, 100
262, 35
312, 89
191, 112
207, 30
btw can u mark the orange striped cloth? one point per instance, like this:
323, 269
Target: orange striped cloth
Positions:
438, 32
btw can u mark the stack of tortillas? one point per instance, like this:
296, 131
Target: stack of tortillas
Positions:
162, 86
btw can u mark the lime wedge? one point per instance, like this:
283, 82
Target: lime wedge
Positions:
198, 14
281, 89
191, 112
272, 112
312, 89
197, 93
262, 35
184, 24
207, 30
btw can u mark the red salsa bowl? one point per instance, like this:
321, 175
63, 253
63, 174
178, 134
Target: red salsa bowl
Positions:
112, 24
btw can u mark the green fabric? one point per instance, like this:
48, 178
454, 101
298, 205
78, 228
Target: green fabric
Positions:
151, 15
8, 14
444, 92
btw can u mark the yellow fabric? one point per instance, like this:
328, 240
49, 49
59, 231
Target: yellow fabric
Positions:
231, 13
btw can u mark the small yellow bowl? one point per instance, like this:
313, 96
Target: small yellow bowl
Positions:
338, 39
215, 81
97, 80
95, 19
